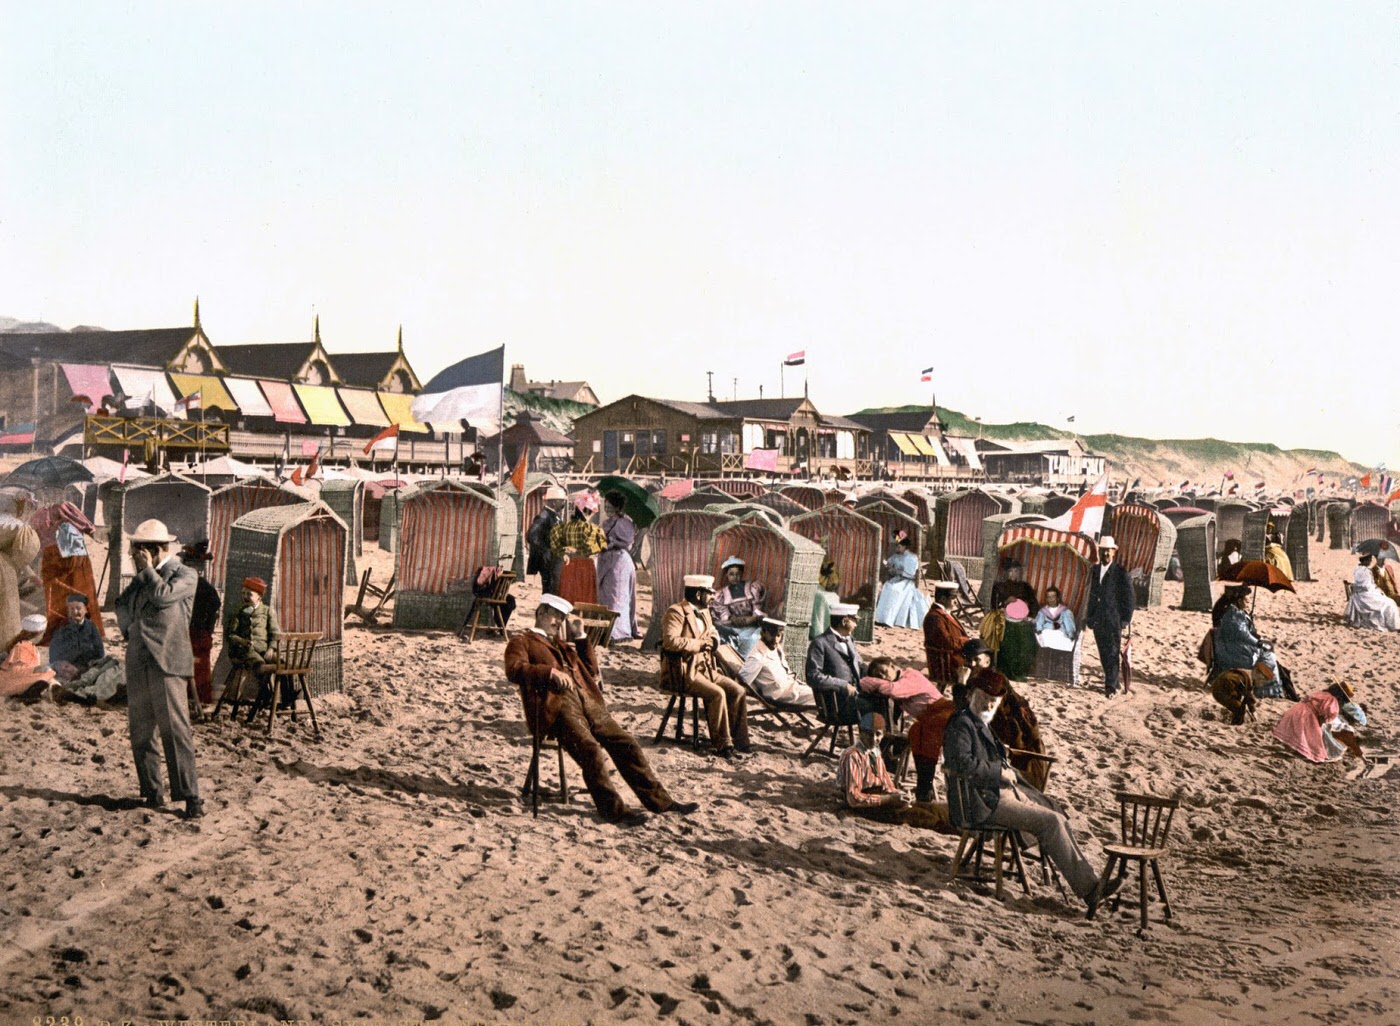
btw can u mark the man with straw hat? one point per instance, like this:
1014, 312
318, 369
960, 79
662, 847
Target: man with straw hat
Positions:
1111, 605
542, 559
153, 613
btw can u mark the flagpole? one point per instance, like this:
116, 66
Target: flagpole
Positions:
501, 428
782, 386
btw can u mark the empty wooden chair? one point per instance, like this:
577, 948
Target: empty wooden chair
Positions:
291, 665
597, 622
492, 606
1144, 821
1006, 845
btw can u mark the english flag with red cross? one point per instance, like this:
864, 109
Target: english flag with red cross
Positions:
1086, 515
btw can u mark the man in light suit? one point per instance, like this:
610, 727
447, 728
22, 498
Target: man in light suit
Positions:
153, 613
833, 664
690, 648
1111, 605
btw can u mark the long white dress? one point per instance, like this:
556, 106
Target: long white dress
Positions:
901, 603
1369, 607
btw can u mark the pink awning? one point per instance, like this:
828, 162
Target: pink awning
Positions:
88, 379
285, 408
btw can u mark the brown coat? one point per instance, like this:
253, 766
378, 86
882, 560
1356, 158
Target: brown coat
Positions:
944, 638
530, 657
688, 638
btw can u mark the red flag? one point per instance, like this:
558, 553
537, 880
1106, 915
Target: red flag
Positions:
314, 465
296, 475
1366, 480
1393, 496
392, 431
517, 476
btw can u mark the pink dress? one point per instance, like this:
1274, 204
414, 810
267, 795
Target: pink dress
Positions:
1301, 727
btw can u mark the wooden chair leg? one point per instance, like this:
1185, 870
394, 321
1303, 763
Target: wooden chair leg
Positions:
1103, 879
306, 694
960, 857
1162, 891
272, 704
999, 850
563, 783
665, 718
1142, 893
821, 736
1019, 864
532, 778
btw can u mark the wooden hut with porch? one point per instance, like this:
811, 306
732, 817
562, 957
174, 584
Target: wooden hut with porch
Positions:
449, 532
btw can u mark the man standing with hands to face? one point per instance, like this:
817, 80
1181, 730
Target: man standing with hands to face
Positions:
558, 681
1111, 605
153, 613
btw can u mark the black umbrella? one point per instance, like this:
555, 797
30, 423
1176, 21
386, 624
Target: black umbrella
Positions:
1381, 548
640, 504
49, 472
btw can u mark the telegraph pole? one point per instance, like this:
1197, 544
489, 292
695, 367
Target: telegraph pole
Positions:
710, 385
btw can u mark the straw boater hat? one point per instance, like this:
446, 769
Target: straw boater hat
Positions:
944, 586
839, 609
555, 602
774, 624
152, 532
554, 492
34, 623
704, 581
1107, 542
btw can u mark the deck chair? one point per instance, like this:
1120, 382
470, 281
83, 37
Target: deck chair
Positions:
780, 711
832, 720
1144, 821
369, 590
492, 605
1007, 852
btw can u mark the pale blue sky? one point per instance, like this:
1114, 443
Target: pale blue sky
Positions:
1065, 208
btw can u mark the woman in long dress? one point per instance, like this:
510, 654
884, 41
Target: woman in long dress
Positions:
1368, 606
579, 540
1239, 647
901, 602
1016, 601
737, 607
1307, 728
617, 574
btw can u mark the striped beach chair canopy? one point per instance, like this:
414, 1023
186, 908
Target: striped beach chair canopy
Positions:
180, 502
1145, 541
852, 541
992, 566
300, 551
1368, 520
834, 496
681, 543
893, 501
735, 510
958, 525
448, 531
738, 487
808, 496
237, 500
1052, 558
923, 505
785, 563
1180, 514
703, 497
781, 504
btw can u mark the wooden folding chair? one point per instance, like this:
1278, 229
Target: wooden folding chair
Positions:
780, 711
1144, 821
1006, 845
964, 608
493, 604
531, 787
369, 590
832, 720
597, 622
291, 663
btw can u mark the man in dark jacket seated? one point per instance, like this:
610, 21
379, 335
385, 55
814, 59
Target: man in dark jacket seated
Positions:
1000, 797
834, 667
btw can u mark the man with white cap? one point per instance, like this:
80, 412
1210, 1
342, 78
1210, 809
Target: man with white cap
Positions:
766, 669
153, 613
1111, 605
689, 643
542, 559
558, 681
833, 664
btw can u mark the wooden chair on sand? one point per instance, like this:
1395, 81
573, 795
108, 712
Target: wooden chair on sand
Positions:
597, 622
1007, 853
370, 590
1144, 821
291, 665
831, 718
492, 605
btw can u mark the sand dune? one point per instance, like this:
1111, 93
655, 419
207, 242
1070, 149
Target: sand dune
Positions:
390, 870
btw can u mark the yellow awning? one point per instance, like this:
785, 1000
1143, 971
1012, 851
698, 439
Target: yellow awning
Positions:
922, 444
399, 407
363, 406
321, 406
902, 440
212, 392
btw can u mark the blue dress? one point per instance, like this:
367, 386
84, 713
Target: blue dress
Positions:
1237, 647
901, 603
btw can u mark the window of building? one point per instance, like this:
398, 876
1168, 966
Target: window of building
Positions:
775, 439
826, 446
753, 437
709, 442
658, 443
845, 445
728, 442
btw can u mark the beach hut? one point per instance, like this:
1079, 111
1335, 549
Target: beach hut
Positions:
781, 504
1196, 546
179, 502
958, 527
236, 500
299, 550
1339, 526
1052, 558
1295, 543
786, 564
923, 507
1368, 520
681, 543
448, 533
992, 530
807, 496
855, 543
1145, 541
1229, 520
346, 498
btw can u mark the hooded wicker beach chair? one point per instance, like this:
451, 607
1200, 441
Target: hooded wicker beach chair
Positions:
449, 532
1195, 544
1145, 539
233, 501
1368, 520
347, 498
856, 544
681, 543
958, 528
807, 496
781, 504
181, 503
1057, 559
1295, 543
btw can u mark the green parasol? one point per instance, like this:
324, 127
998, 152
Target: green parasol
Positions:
640, 504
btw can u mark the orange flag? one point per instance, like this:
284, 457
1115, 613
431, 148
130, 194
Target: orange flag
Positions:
1392, 496
392, 431
1366, 481
517, 476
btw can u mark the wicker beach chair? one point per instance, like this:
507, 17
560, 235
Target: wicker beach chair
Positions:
1366, 521
1295, 543
855, 543
1145, 539
1195, 545
238, 499
806, 496
347, 499
1058, 559
1339, 526
958, 528
780, 504
449, 531
1229, 519
682, 542
181, 503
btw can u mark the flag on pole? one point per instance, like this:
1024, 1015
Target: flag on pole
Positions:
1229, 475
926, 374
386, 439
1386, 483
796, 359
517, 476
1086, 515
1233, 489
1184, 485
1366, 480
1258, 486
469, 390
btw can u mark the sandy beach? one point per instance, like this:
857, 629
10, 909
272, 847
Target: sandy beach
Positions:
391, 871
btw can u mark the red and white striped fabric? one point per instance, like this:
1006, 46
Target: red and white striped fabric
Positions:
853, 541
805, 495
1053, 558
1136, 529
737, 486
680, 545
227, 505
892, 521
308, 590
921, 505
447, 532
767, 557
963, 531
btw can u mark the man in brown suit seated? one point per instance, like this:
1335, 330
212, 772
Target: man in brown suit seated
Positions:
558, 683
690, 647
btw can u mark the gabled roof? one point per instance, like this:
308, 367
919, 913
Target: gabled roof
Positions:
760, 409
562, 389
845, 423
698, 410
368, 370
144, 347
279, 360
910, 420
529, 431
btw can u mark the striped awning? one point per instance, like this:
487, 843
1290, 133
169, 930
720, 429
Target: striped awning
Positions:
321, 406
922, 444
399, 407
89, 379
363, 406
142, 383
249, 397
212, 392
283, 402
905, 445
